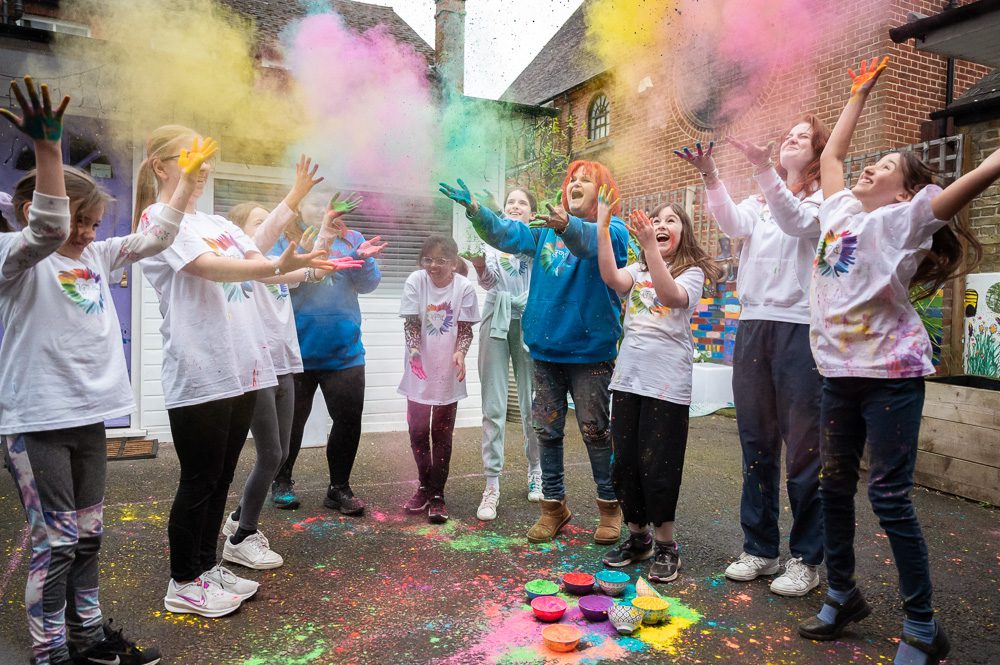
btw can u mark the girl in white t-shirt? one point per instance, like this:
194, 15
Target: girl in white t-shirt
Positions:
439, 307
886, 236
57, 310
215, 358
651, 385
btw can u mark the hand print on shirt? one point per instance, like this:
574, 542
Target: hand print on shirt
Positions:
556, 257
225, 245
643, 300
83, 287
439, 319
835, 254
513, 265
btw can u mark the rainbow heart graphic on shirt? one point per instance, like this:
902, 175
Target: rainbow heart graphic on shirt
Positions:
513, 265
279, 291
835, 253
439, 319
225, 245
83, 287
556, 257
643, 300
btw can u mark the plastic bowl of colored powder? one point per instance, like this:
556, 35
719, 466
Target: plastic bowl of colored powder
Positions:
654, 610
548, 608
595, 607
579, 584
561, 637
536, 588
612, 582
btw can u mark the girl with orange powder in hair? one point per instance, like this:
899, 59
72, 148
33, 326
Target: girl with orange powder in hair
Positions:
571, 325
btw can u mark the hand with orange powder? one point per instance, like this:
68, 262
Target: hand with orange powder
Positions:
863, 83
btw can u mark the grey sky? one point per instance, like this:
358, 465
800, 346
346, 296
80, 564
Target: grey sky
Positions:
501, 36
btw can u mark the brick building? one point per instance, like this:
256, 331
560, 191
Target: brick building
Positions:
614, 125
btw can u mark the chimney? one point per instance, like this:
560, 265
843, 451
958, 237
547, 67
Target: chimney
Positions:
449, 42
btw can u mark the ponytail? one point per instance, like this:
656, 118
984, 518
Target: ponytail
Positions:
161, 142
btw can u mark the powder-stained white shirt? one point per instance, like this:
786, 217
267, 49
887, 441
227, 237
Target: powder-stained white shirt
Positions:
863, 323
214, 345
62, 363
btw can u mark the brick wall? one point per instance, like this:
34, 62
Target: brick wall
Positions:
984, 214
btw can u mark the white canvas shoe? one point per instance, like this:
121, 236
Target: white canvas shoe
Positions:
535, 487
798, 579
488, 506
231, 525
749, 567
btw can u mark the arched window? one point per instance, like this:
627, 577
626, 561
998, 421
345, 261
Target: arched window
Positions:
598, 118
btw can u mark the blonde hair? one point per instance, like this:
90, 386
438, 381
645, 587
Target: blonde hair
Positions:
80, 189
162, 142
240, 213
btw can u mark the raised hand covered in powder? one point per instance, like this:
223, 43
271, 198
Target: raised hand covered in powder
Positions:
865, 80
702, 161
190, 161
606, 202
38, 119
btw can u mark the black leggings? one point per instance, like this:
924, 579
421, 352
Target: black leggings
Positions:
649, 438
431, 425
344, 394
208, 439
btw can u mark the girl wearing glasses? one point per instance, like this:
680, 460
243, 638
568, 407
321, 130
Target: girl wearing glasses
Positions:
438, 308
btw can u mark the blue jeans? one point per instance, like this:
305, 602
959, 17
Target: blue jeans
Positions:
588, 384
885, 413
776, 390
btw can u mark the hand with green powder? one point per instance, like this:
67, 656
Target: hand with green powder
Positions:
343, 206
39, 121
461, 195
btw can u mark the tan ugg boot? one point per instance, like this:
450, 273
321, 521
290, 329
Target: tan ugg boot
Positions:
610, 527
554, 516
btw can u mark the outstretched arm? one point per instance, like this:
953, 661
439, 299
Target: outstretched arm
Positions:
667, 290
305, 179
506, 235
958, 194
831, 162
735, 221
617, 278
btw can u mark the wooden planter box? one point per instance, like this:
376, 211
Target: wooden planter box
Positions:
959, 447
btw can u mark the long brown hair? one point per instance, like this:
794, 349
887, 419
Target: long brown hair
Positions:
809, 179
162, 143
688, 253
946, 258
80, 188
240, 213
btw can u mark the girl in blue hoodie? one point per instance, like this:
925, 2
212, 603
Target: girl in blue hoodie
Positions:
571, 326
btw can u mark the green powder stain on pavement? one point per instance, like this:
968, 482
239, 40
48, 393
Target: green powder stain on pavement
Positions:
317, 647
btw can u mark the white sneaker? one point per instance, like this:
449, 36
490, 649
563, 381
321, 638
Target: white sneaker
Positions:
231, 525
749, 567
488, 506
254, 552
535, 487
798, 579
223, 578
200, 597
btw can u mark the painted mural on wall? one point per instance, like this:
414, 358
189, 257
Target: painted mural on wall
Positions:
982, 324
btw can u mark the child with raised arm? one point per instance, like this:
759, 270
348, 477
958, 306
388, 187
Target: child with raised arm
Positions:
215, 359
56, 308
776, 386
272, 418
888, 234
571, 325
438, 308
651, 386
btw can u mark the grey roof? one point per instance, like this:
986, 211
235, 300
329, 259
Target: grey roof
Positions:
271, 17
986, 88
562, 64
979, 103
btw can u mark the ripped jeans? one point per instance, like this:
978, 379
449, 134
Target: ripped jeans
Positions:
588, 385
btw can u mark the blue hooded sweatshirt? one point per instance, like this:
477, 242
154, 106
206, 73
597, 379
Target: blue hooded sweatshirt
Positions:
572, 316
328, 315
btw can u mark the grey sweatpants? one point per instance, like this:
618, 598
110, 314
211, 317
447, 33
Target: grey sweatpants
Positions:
60, 477
272, 429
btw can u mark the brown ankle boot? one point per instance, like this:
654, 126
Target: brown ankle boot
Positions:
609, 529
554, 516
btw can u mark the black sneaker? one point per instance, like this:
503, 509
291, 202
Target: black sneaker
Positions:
418, 502
116, 649
637, 547
342, 498
666, 563
437, 512
283, 495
